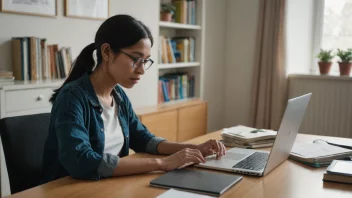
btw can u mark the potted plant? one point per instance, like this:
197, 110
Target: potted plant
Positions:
167, 10
325, 57
346, 58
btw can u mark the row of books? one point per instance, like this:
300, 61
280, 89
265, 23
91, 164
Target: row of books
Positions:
33, 59
175, 86
176, 49
185, 11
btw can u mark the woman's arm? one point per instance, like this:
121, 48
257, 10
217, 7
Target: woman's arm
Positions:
167, 148
74, 148
130, 166
207, 148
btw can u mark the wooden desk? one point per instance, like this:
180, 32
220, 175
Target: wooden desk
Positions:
290, 179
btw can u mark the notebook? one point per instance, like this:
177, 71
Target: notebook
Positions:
339, 171
318, 154
172, 193
203, 182
248, 134
251, 145
340, 167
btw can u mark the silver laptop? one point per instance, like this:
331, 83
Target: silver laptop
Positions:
260, 163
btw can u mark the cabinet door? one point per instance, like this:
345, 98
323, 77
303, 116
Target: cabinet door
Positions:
163, 124
192, 121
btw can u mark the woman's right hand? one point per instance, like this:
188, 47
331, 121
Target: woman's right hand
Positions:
185, 156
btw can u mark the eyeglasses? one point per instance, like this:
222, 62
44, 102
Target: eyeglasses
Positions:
137, 62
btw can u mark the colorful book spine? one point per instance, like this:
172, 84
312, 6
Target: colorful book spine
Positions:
33, 59
176, 49
175, 86
185, 11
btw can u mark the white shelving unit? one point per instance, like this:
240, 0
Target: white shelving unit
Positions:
179, 65
179, 26
172, 29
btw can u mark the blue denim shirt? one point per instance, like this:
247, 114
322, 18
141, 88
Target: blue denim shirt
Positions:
75, 143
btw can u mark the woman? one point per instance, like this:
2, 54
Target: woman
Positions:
93, 124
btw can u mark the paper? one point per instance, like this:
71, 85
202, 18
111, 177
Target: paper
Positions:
88, 8
47, 7
343, 167
314, 150
247, 132
172, 193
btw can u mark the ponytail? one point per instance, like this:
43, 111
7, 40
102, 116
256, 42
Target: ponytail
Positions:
83, 63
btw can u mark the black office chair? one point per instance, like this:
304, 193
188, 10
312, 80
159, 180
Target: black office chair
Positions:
23, 140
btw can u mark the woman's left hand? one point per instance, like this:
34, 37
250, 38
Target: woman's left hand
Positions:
212, 146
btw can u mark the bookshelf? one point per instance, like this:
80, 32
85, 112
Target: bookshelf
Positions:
180, 68
179, 25
179, 65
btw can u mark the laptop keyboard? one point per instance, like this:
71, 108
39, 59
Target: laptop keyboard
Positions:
256, 161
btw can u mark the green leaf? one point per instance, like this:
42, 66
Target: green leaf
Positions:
325, 55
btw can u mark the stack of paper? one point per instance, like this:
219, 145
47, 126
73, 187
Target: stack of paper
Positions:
318, 154
247, 137
173, 193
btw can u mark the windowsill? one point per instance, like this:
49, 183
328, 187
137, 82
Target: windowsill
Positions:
320, 77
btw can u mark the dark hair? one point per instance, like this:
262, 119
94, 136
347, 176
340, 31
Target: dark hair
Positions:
119, 31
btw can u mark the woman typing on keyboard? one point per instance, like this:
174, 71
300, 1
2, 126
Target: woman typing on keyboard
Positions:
93, 125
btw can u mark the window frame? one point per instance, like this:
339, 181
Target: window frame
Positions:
318, 33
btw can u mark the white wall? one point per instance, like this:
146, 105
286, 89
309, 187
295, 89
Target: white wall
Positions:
240, 51
214, 63
77, 33
299, 35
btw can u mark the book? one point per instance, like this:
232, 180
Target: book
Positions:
318, 153
337, 178
185, 11
340, 167
176, 49
252, 145
248, 134
339, 171
33, 59
175, 86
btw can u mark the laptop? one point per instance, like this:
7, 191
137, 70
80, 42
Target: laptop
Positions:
260, 163
203, 182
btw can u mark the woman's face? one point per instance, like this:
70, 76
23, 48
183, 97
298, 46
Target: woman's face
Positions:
128, 65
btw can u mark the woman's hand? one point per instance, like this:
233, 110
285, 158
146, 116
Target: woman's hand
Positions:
212, 146
178, 159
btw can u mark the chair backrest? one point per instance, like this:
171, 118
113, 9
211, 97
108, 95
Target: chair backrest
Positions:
23, 139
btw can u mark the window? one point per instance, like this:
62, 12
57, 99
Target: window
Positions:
334, 29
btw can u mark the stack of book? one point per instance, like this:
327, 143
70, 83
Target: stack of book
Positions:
318, 154
6, 76
339, 171
176, 49
247, 137
33, 59
175, 86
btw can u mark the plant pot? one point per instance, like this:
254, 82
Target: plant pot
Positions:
165, 16
345, 68
324, 67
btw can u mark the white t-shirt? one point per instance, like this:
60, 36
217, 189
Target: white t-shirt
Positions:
114, 138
